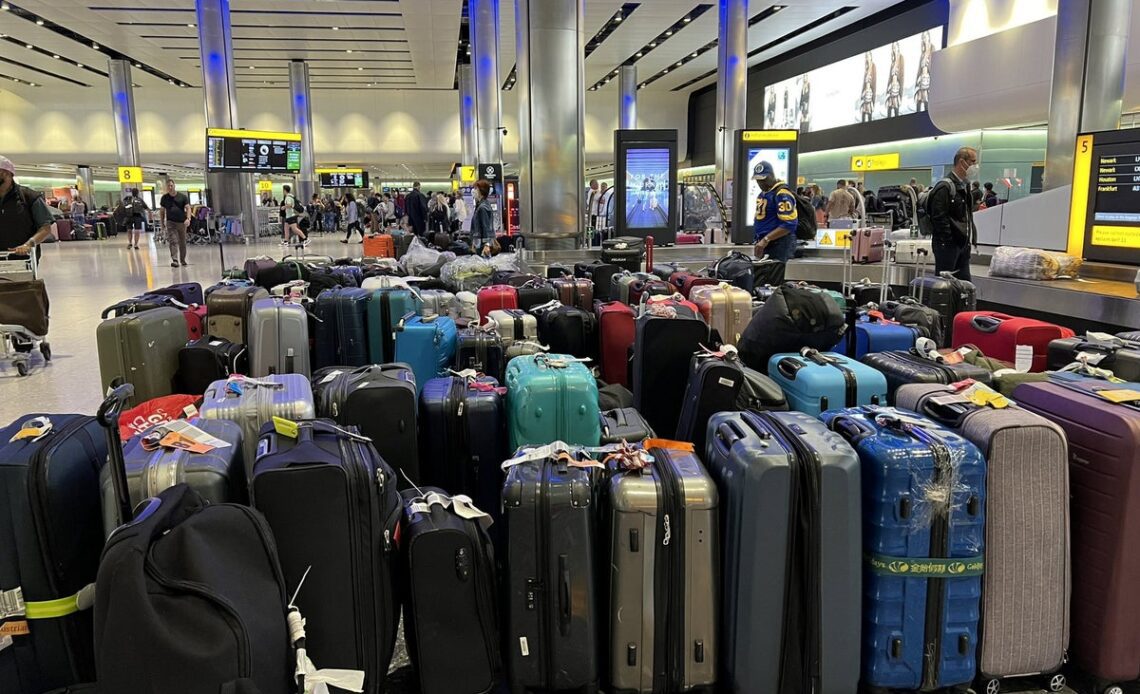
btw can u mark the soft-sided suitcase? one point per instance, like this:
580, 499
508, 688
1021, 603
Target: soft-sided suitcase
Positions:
63, 230
253, 266
685, 282
278, 338
228, 311
497, 297
791, 529
550, 620
1025, 589
999, 335
427, 345
746, 272
380, 400
451, 617
624, 251
209, 359
1118, 356
463, 438
815, 381
467, 304
615, 337
664, 271
624, 424
253, 402
142, 349
727, 309
662, 349
50, 540
902, 368
601, 275
907, 311
948, 295
515, 326
924, 502
867, 245
567, 329
664, 576
187, 293
343, 330
388, 306
575, 292
480, 350
874, 334
715, 383
793, 318
379, 246
551, 397
334, 508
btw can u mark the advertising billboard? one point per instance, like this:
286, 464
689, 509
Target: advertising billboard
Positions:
646, 183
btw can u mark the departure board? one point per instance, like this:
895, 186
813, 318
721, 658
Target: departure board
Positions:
1105, 215
253, 151
343, 178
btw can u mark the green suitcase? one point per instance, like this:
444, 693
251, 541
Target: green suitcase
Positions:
142, 349
551, 397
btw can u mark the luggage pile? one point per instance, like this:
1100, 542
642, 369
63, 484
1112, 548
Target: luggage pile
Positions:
603, 480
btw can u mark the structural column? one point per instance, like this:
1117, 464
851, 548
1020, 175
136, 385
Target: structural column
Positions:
1088, 78
468, 133
123, 112
551, 121
627, 98
87, 186
232, 194
484, 17
303, 123
731, 89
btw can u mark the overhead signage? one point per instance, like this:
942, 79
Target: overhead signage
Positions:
130, 174
1104, 217
467, 174
343, 178
875, 162
770, 135
252, 151
265, 186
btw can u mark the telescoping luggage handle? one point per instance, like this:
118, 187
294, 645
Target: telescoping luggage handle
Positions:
108, 417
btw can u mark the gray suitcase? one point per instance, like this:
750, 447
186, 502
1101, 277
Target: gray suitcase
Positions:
278, 338
1026, 587
142, 349
254, 402
664, 576
439, 302
786, 635
228, 310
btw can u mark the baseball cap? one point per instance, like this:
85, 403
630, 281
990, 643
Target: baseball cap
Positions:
763, 170
7, 165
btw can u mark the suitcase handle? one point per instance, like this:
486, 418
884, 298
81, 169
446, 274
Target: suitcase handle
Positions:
727, 433
850, 429
563, 595
988, 323
108, 417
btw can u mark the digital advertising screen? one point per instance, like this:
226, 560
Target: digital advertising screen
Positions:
884, 82
343, 178
646, 183
252, 151
1104, 219
778, 157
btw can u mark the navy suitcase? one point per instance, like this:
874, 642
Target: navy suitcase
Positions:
714, 385
815, 381
872, 335
902, 368
924, 540
187, 293
342, 332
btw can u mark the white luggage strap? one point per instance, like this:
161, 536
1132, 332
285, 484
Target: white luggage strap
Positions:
560, 450
459, 504
309, 679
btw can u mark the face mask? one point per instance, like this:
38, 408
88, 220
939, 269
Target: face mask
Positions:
972, 172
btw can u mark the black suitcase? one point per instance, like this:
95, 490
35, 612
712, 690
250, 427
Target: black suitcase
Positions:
380, 400
567, 330
533, 294
209, 359
715, 384
451, 614
600, 273
550, 621
624, 424
342, 327
947, 295
907, 311
480, 350
334, 508
1120, 357
556, 270
902, 368
624, 251
666, 270
662, 348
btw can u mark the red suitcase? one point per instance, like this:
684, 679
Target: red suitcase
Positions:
497, 297
685, 281
615, 330
998, 335
684, 239
63, 230
195, 315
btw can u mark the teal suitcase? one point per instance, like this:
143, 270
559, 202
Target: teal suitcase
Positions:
551, 397
388, 306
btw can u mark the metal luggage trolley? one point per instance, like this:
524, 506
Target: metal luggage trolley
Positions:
18, 340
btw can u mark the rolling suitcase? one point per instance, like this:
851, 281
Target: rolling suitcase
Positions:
727, 309
515, 326
999, 335
815, 381
142, 349
468, 305
620, 285
641, 289
427, 345
1118, 356
388, 306
536, 293
380, 400
665, 576
901, 368
601, 274
791, 529
867, 245
662, 349
947, 295
908, 311
567, 329
624, 251
615, 337
278, 338
253, 266
438, 302
924, 496
715, 383
334, 508
624, 424
873, 334
664, 271
575, 292
499, 297
482, 351
379, 246
209, 359
551, 397
344, 326
228, 310
685, 282
451, 612
743, 271
1025, 589
187, 293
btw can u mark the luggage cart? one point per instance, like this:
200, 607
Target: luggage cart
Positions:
17, 340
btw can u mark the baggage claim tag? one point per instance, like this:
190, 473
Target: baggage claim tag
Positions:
1120, 396
286, 428
1023, 362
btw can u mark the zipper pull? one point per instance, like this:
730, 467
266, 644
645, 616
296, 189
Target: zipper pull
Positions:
387, 540
459, 411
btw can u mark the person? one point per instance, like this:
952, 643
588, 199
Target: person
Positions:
483, 222
840, 204
952, 216
291, 212
24, 217
353, 210
439, 216
175, 208
136, 217
315, 212
416, 207
977, 197
389, 210
591, 202
854, 190
990, 197
774, 230
459, 213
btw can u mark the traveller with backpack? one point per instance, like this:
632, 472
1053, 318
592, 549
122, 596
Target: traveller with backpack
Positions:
945, 213
24, 217
131, 216
776, 215
293, 212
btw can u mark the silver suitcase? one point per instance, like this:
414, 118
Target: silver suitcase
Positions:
514, 326
254, 402
468, 305
913, 251
278, 338
439, 302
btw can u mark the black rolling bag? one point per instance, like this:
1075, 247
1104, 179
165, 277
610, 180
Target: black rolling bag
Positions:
209, 359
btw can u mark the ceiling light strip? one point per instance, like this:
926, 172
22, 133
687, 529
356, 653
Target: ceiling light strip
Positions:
661, 38
33, 68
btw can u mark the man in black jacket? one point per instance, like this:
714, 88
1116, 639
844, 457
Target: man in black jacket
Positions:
952, 217
416, 207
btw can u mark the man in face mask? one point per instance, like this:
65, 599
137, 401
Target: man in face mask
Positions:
952, 217
24, 218
775, 226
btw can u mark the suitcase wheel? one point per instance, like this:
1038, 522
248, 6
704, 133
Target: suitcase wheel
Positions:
1113, 689
1057, 683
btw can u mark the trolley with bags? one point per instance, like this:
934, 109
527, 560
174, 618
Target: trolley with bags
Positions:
23, 311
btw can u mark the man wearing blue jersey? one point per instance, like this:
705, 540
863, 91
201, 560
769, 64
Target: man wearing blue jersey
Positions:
775, 226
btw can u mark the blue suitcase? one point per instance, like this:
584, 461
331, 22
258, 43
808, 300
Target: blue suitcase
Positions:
427, 344
388, 305
923, 542
551, 397
342, 331
873, 336
814, 382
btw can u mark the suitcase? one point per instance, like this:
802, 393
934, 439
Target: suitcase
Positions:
187, 293
50, 542
914, 251
379, 246
664, 271
515, 326
640, 290
536, 293
142, 349
746, 272
616, 334
714, 384
726, 309
451, 612
924, 496
601, 274
620, 285
63, 230
1130, 336
867, 292
901, 368
1120, 357
550, 620
664, 576
380, 401
671, 305
624, 251
387, 307
815, 382
209, 359
867, 245
907, 311
947, 295
438, 302
481, 351
463, 438
255, 265
787, 591
468, 303
685, 282
334, 508
228, 310
873, 334
498, 297
662, 349
1025, 589
624, 424
427, 345
343, 314
558, 270
575, 292
684, 239
567, 330
551, 397
143, 302
793, 318
253, 402
278, 338
999, 335
195, 317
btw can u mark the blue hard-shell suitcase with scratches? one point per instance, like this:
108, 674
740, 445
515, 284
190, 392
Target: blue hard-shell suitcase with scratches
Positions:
872, 336
427, 344
815, 381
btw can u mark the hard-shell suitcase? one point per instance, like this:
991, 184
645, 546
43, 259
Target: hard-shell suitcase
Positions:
664, 575
641, 290
867, 245
1118, 356
727, 309
343, 314
867, 292
536, 293
575, 292
142, 349
50, 540
388, 306
685, 282
558, 270
255, 265
451, 617
914, 251
380, 400
668, 305
63, 230
551, 397
902, 368
620, 285
1025, 588
515, 326
624, 251
334, 508
947, 295
1130, 336
567, 329
999, 335
664, 271
924, 501
438, 302
815, 381
228, 311
498, 297
379, 246
601, 275
463, 438
550, 620
209, 359
624, 424
253, 402
875, 335
195, 321
427, 345
187, 293
662, 349
714, 385
684, 239
615, 337
278, 338
791, 529
481, 350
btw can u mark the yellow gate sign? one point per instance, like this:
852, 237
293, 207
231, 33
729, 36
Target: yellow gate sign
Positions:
265, 186
130, 174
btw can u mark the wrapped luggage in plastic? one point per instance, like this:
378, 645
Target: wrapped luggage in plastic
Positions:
1033, 264
421, 260
467, 274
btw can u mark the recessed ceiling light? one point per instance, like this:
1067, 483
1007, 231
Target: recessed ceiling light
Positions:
679, 63
79, 65
95, 45
618, 18
27, 45
638, 55
653, 45
32, 84
171, 81
688, 19
669, 33
5, 6
348, 50
359, 69
252, 67
137, 65
55, 56
336, 28
39, 22
191, 25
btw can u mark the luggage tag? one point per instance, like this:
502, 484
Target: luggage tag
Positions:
1090, 358
189, 431
286, 428
1023, 359
33, 429
982, 395
1120, 397
330, 377
669, 445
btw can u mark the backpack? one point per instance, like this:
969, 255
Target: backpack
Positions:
296, 206
806, 225
793, 318
925, 223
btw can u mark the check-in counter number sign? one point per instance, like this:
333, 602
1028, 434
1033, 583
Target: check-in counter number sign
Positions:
130, 174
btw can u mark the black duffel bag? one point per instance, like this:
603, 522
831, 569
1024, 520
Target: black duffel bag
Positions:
747, 273
795, 317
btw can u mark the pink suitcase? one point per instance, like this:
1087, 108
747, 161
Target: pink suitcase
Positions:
684, 239
867, 245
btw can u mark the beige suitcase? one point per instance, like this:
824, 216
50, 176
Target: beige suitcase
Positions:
727, 309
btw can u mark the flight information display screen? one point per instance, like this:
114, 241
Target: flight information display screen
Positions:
343, 179
1106, 193
251, 151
